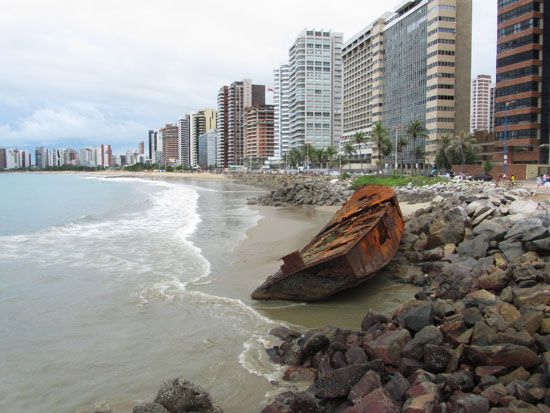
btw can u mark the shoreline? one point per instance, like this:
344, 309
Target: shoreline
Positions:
131, 174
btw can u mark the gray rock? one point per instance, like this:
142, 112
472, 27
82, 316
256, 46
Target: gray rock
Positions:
492, 229
522, 227
475, 248
180, 396
339, 382
416, 318
356, 355
150, 408
511, 248
527, 208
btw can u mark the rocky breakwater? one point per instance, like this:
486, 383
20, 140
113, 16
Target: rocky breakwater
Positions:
475, 339
296, 190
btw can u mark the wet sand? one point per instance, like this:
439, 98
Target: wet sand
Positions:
281, 231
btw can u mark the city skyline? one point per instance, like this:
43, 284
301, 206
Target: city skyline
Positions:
69, 84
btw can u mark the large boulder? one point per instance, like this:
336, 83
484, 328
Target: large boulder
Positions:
378, 401
150, 408
524, 207
539, 295
181, 396
388, 346
508, 355
339, 382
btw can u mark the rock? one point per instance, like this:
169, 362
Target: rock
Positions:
471, 316
442, 308
475, 248
284, 333
523, 227
397, 387
436, 358
288, 402
297, 373
418, 317
292, 353
511, 248
339, 382
492, 230
422, 404
408, 366
500, 261
339, 360
542, 245
529, 322
369, 382
388, 346
508, 355
482, 371
469, 403
521, 338
376, 401
372, 318
150, 408
527, 207
482, 297
483, 216
422, 388
180, 396
495, 281
545, 326
456, 355
508, 312
518, 374
539, 295
494, 393
543, 342
415, 347
314, 342
356, 355
461, 380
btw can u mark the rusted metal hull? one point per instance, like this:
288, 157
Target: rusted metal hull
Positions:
361, 238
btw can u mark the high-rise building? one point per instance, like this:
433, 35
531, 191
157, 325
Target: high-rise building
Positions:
184, 138
88, 157
259, 134
141, 148
207, 150
480, 119
281, 94
315, 89
522, 97
492, 108
155, 146
201, 122
41, 157
104, 156
170, 143
411, 65
3, 158
232, 102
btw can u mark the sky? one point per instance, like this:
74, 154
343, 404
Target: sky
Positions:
85, 72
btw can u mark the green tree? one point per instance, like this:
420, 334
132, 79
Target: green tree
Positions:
442, 159
415, 130
380, 137
401, 145
330, 152
349, 149
487, 166
359, 138
294, 157
308, 154
461, 144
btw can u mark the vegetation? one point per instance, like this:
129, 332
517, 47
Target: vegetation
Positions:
442, 157
463, 146
401, 145
487, 166
359, 138
415, 130
381, 139
348, 150
416, 180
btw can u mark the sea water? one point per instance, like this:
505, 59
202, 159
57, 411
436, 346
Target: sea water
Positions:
98, 297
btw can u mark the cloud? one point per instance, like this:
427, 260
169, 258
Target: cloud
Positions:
103, 69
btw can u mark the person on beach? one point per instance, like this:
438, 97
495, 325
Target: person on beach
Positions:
512, 180
539, 181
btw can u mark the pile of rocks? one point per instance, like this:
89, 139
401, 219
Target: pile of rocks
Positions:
297, 190
180, 396
477, 337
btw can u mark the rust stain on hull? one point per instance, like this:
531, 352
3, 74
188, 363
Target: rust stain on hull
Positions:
362, 237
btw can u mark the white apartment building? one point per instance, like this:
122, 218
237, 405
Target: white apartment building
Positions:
281, 94
184, 140
315, 104
480, 118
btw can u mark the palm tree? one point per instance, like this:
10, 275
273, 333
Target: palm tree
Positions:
442, 158
359, 138
461, 144
401, 145
330, 152
416, 130
308, 153
380, 137
294, 157
321, 156
348, 150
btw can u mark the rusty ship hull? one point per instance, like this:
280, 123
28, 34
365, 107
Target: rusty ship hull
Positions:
361, 238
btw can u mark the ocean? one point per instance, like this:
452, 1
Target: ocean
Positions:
111, 286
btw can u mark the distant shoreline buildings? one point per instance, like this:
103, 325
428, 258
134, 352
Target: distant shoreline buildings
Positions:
411, 64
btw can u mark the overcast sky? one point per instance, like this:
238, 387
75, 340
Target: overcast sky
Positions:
81, 72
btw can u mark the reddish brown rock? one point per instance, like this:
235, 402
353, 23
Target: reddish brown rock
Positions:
388, 346
296, 373
378, 401
508, 355
369, 382
426, 403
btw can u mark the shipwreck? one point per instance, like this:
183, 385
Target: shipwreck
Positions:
361, 238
